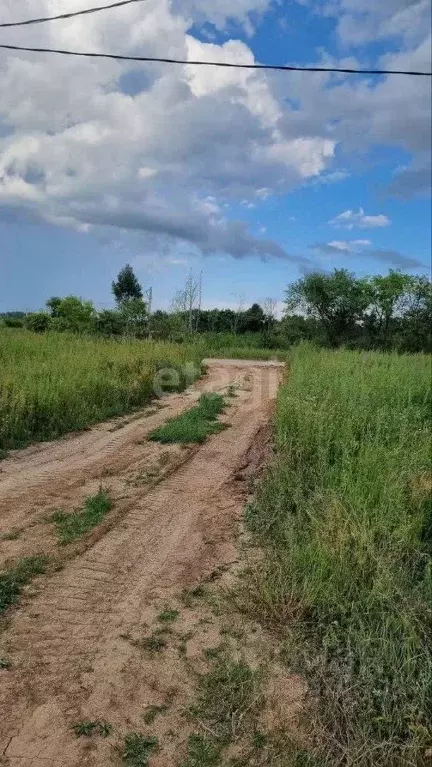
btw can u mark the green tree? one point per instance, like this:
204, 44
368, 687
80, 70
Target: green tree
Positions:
339, 300
53, 304
253, 320
389, 295
416, 325
109, 323
134, 315
71, 314
126, 287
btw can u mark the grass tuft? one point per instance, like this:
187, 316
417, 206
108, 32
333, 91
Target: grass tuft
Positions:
195, 425
13, 580
153, 711
229, 691
87, 729
72, 526
202, 752
137, 749
168, 615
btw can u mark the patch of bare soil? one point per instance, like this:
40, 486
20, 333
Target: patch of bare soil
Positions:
92, 641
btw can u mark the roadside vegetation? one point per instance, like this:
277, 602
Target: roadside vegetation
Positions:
344, 517
195, 425
55, 383
14, 579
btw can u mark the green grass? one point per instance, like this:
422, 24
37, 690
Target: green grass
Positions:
138, 749
55, 383
87, 729
168, 615
195, 424
75, 525
344, 516
202, 752
226, 693
227, 703
13, 580
156, 642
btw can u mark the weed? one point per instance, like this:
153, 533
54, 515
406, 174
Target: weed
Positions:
13, 580
87, 729
189, 595
168, 615
202, 752
154, 643
5, 663
214, 652
259, 739
72, 526
137, 749
152, 712
195, 424
228, 692
231, 391
12, 536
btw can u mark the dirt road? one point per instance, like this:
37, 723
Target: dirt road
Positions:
76, 645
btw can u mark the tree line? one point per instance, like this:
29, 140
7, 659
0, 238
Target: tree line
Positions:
392, 311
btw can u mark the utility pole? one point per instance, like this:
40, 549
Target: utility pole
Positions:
149, 295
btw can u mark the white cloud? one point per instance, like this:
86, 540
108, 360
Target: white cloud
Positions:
165, 151
154, 149
348, 247
341, 246
350, 219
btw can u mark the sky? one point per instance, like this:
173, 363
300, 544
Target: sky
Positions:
252, 178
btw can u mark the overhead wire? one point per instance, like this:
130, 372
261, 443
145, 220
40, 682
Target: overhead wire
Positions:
225, 64
70, 15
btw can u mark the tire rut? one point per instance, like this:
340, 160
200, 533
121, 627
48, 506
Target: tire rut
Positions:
69, 645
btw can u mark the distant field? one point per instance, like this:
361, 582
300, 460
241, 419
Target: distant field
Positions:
54, 383
345, 518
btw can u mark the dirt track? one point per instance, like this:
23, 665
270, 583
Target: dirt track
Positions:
74, 645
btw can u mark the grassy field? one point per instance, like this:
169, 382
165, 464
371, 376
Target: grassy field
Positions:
344, 516
55, 383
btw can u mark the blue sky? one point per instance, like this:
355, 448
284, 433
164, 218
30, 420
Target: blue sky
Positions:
251, 178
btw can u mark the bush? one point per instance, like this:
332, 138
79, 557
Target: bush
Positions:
38, 322
13, 322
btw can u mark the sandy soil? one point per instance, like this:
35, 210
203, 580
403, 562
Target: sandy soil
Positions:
75, 644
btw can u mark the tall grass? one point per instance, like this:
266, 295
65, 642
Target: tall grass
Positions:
54, 383
345, 518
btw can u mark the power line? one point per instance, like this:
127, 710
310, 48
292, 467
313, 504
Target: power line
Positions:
70, 15
225, 64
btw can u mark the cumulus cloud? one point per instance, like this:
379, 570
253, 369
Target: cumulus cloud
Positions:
103, 144
351, 219
361, 21
163, 151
